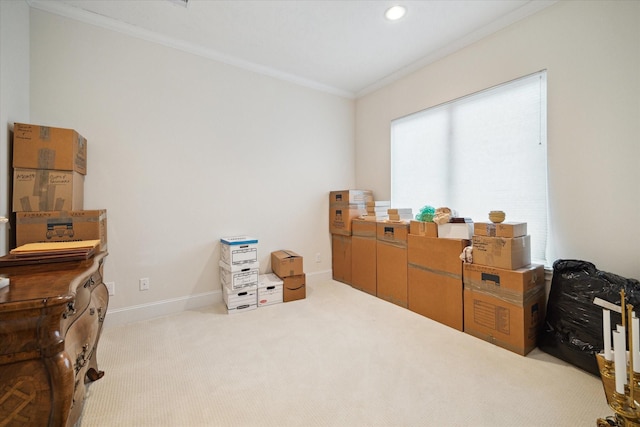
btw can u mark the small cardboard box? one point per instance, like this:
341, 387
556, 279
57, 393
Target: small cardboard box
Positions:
346, 197
294, 288
285, 263
363, 256
341, 258
38, 190
422, 228
238, 250
513, 325
391, 262
235, 278
340, 218
44, 147
502, 252
511, 229
270, 289
61, 226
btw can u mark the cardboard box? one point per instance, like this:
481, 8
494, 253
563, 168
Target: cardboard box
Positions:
435, 279
270, 289
294, 288
505, 229
363, 256
502, 252
238, 250
44, 147
346, 197
436, 295
511, 229
391, 262
437, 254
513, 326
47, 190
341, 258
509, 285
246, 277
285, 263
340, 218
61, 226
241, 300
422, 228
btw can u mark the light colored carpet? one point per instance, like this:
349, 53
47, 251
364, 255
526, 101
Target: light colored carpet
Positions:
338, 358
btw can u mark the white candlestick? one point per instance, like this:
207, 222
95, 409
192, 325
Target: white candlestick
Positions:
635, 325
620, 355
606, 330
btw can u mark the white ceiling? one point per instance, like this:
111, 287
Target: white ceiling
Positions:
346, 47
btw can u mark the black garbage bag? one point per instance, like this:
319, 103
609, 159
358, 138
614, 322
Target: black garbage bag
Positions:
573, 325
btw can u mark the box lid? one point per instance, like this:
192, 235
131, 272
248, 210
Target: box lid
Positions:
238, 240
269, 279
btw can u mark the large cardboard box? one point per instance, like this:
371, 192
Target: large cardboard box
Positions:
340, 217
285, 263
294, 287
363, 256
346, 197
505, 307
341, 258
238, 250
502, 252
61, 226
44, 147
391, 262
435, 287
47, 190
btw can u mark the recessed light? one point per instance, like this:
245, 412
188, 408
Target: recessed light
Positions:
395, 12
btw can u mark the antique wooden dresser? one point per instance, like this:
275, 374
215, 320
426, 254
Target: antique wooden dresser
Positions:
51, 316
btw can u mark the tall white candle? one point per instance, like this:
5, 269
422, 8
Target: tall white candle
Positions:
620, 355
606, 330
635, 325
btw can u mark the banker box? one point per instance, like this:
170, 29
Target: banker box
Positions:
38, 190
238, 250
502, 252
241, 300
294, 288
61, 226
45, 147
238, 277
285, 263
270, 289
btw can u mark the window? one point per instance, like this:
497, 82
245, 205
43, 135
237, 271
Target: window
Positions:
486, 151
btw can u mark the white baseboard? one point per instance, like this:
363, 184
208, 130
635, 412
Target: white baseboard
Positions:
136, 313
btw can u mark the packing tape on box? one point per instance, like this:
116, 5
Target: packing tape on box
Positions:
439, 272
508, 296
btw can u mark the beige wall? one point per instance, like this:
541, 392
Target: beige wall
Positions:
591, 50
184, 150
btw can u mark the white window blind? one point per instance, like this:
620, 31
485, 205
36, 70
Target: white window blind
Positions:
483, 152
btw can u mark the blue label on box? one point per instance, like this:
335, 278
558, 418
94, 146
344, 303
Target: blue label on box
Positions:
239, 240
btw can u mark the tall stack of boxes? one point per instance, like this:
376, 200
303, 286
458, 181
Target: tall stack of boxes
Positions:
49, 167
504, 294
288, 266
239, 273
344, 206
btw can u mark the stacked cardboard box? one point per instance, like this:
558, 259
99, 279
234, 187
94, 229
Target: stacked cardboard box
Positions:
239, 273
270, 289
391, 261
435, 286
344, 207
49, 166
288, 266
504, 294
363, 256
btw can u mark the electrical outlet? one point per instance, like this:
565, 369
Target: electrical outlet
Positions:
111, 287
318, 257
144, 284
